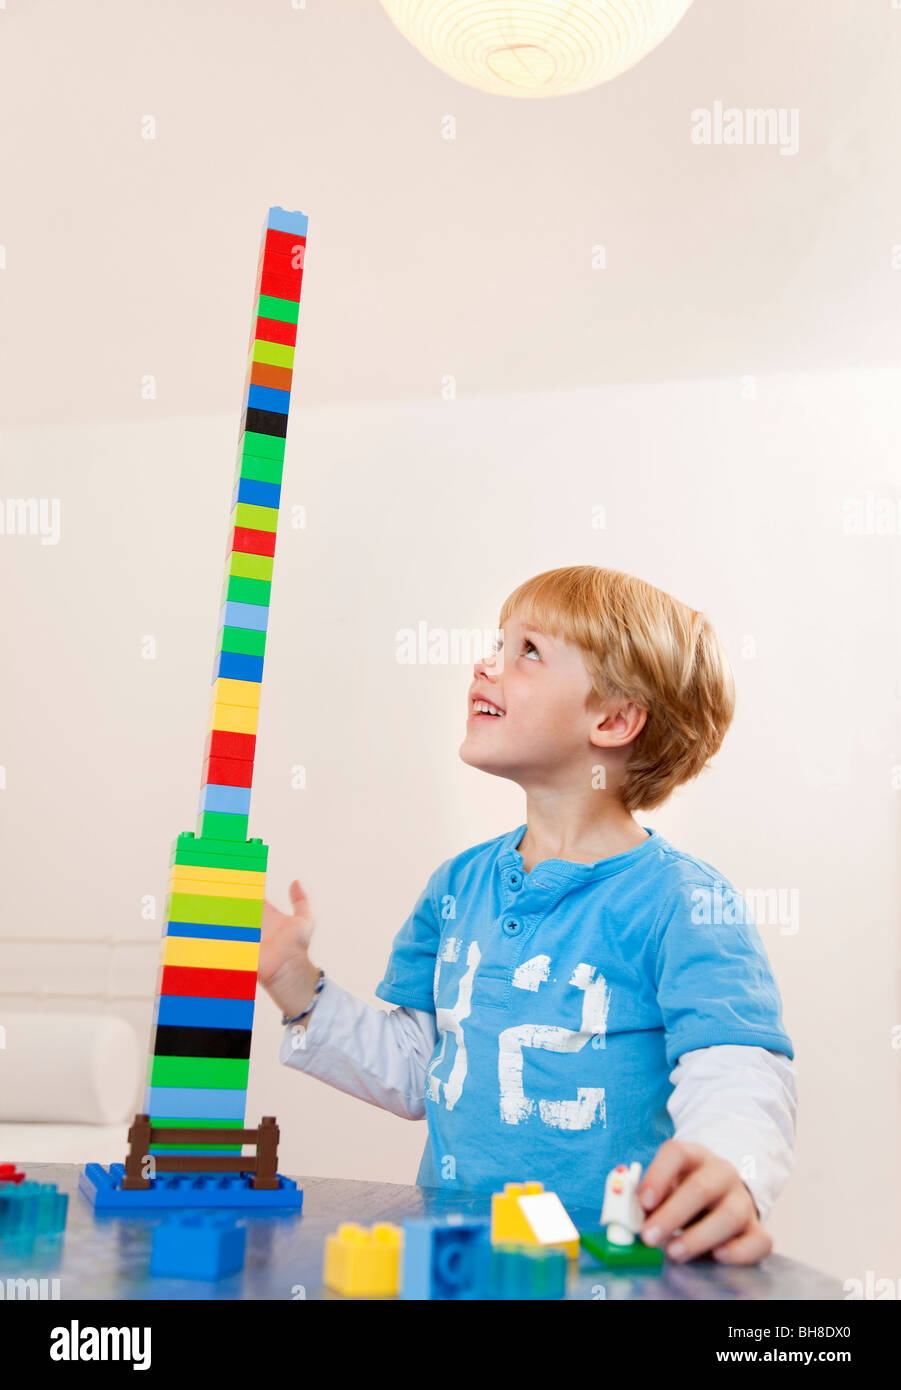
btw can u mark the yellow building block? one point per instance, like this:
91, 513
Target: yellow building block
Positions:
205, 888
232, 719
248, 877
361, 1261
231, 692
206, 953
525, 1214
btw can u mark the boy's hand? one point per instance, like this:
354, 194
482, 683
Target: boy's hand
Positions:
688, 1187
285, 970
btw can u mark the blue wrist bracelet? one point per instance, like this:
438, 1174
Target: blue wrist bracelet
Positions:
318, 990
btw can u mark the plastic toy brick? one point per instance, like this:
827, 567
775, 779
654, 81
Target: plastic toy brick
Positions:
517, 1272
179, 1011
102, 1187
247, 615
363, 1262
439, 1258
227, 772
255, 518
10, 1173
239, 746
244, 565
214, 931
222, 825
29, 1210
274, 354
263, 446
209, 1073
284, 243
268, 398
267, 421
184, 1101
241, 641
258, 494
261, 470
285, 220
200, 885
233, 719
525, 1214
189, 843
232, 692
184, 873
237, 590
237, 666
191, 982
285, 286
230, 801
273, 306
197, 1247
201, 1042
279, 262
264, 374
204, 953
635, 1256
274, 331
213, 911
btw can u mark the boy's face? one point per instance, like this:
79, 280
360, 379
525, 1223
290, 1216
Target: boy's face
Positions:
541, 684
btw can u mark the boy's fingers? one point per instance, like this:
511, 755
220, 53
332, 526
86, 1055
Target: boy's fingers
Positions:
746, 1249
671, 1159
700, 1189
270, 918
713, 1230
299, 899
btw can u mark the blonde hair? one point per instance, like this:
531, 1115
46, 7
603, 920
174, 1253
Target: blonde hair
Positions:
641, 645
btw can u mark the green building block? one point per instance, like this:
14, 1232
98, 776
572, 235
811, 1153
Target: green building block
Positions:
222, 825
245, 566
239, 590
256, 518
285, 310
259, 470
217, 853
241, 639
263, 446
636, 1256
214, 911
214, 1073
273, 354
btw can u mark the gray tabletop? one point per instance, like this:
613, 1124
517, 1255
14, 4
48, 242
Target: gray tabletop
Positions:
107, 1257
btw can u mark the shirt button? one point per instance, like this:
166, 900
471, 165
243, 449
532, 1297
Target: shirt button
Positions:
514, 879
512, 927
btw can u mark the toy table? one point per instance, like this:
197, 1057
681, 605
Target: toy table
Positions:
107, 1257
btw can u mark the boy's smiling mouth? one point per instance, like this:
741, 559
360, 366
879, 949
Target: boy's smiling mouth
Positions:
485, 709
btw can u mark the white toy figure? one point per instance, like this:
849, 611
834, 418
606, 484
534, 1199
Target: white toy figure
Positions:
622, 1213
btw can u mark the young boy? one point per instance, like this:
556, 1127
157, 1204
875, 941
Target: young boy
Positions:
577, 992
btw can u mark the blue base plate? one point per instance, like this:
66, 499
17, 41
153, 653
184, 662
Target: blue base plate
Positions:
102, 1187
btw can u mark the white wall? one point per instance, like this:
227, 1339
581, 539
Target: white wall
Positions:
435, 511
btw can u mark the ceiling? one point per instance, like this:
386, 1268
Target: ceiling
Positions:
129, 259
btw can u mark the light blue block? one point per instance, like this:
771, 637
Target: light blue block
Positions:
252, 615
281, 220
192, 1103
235, 801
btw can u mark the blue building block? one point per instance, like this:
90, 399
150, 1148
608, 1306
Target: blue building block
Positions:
197, 1247
103, 1189
439, 1258
267, 398
250, 615
281, 220
518, 1272
195, 1102
29, 1210
237, 666
213, 933
189, 1011
257, 494
233, 801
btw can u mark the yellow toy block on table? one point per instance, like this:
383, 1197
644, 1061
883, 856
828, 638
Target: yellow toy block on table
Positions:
524, 1214
361, 1261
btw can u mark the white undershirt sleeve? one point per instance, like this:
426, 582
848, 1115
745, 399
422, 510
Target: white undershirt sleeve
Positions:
377, 1055
741, 1103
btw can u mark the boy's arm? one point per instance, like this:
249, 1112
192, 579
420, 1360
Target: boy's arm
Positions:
379, 1056
741, 1103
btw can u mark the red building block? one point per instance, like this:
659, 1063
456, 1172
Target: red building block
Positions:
227, 772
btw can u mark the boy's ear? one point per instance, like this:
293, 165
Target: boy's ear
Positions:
617, 724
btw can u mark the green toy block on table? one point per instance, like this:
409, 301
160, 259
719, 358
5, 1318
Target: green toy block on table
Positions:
635, 1256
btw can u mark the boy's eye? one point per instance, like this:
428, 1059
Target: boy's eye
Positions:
532, 649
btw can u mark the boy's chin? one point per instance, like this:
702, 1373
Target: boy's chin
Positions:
483, 761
